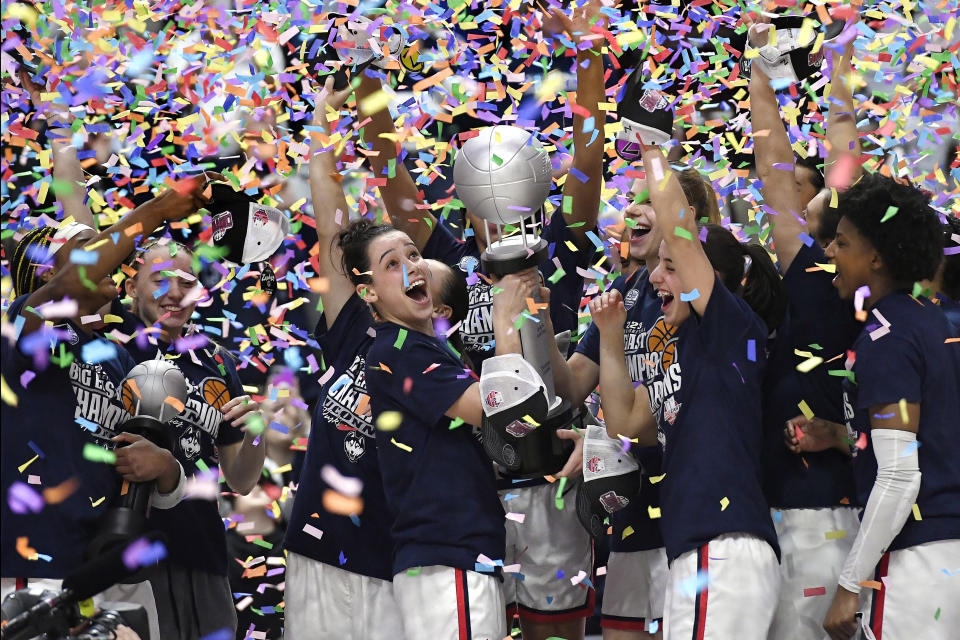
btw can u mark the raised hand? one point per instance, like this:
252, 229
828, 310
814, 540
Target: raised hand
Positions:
608, 312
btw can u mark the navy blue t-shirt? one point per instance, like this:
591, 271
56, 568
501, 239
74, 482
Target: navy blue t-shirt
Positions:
438, 481
951, 309
70, 402
342, 436
820, 323
194, 528
640, 301
565, 293
710, 427
912, 360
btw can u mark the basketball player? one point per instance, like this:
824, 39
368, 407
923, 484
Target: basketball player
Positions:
812, 497
712, 503
549, 539
67, 395
340, 563
901, 399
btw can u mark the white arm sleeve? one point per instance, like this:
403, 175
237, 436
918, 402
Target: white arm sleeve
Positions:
889, 505
169, 500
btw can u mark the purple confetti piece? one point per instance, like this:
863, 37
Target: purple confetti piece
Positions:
23, 498
26, 377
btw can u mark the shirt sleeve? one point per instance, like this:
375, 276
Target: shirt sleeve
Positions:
443, 246
429, 393
728, 322
817, 313
888, 369
589, 344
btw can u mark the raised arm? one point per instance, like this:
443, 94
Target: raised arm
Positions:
843, 159
66, 166
329, 204
626, 410
400, 194
585, 28
679, 231
774, 160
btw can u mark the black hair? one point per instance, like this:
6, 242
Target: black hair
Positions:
354, 242
32, 251
950, 283
816, 171
762, 288
454, 294
899, 223
829, 219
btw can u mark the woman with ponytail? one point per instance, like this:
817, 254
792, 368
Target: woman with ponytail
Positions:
702, 406
339, 566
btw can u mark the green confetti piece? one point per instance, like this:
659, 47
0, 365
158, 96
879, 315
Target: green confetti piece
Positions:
497, 160
891, 211
556, 276
558, 500
842, 373
93, 453
262, 543
567, 205
496, 290
414, 571
401, 336
222, 369
392, 168
253, 336
456, 422
576, 225
200, 464
254, 423
936, 616
683, 233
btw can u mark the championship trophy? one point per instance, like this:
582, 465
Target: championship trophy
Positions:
503, 175
153, 392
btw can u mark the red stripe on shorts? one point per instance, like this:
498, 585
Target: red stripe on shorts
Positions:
463, 604
876, 613
700, 605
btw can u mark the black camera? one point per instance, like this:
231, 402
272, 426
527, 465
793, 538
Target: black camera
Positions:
61, 618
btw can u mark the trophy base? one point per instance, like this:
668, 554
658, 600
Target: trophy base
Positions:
536, 453
511, 255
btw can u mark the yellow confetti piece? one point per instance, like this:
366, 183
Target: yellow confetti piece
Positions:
627, 532
805, 409
809, 364
833, 198
405, 447
530, 420
829, 268
7, 394
375, 102
724, 503
26, 464
656, 479
916, 512
835, 535
98, 502
653, 512
904, 414
389, 420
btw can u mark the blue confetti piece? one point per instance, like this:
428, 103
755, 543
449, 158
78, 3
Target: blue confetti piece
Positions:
45, 557
98, 351
510, 496
355, 519
79, 256
806, 238
910, 448
219, 634
343, 559
688, 297
777, 516
406, 278
480, 567
579, 175
752, 350
560, 574
36, 450
695, 584
93, 427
